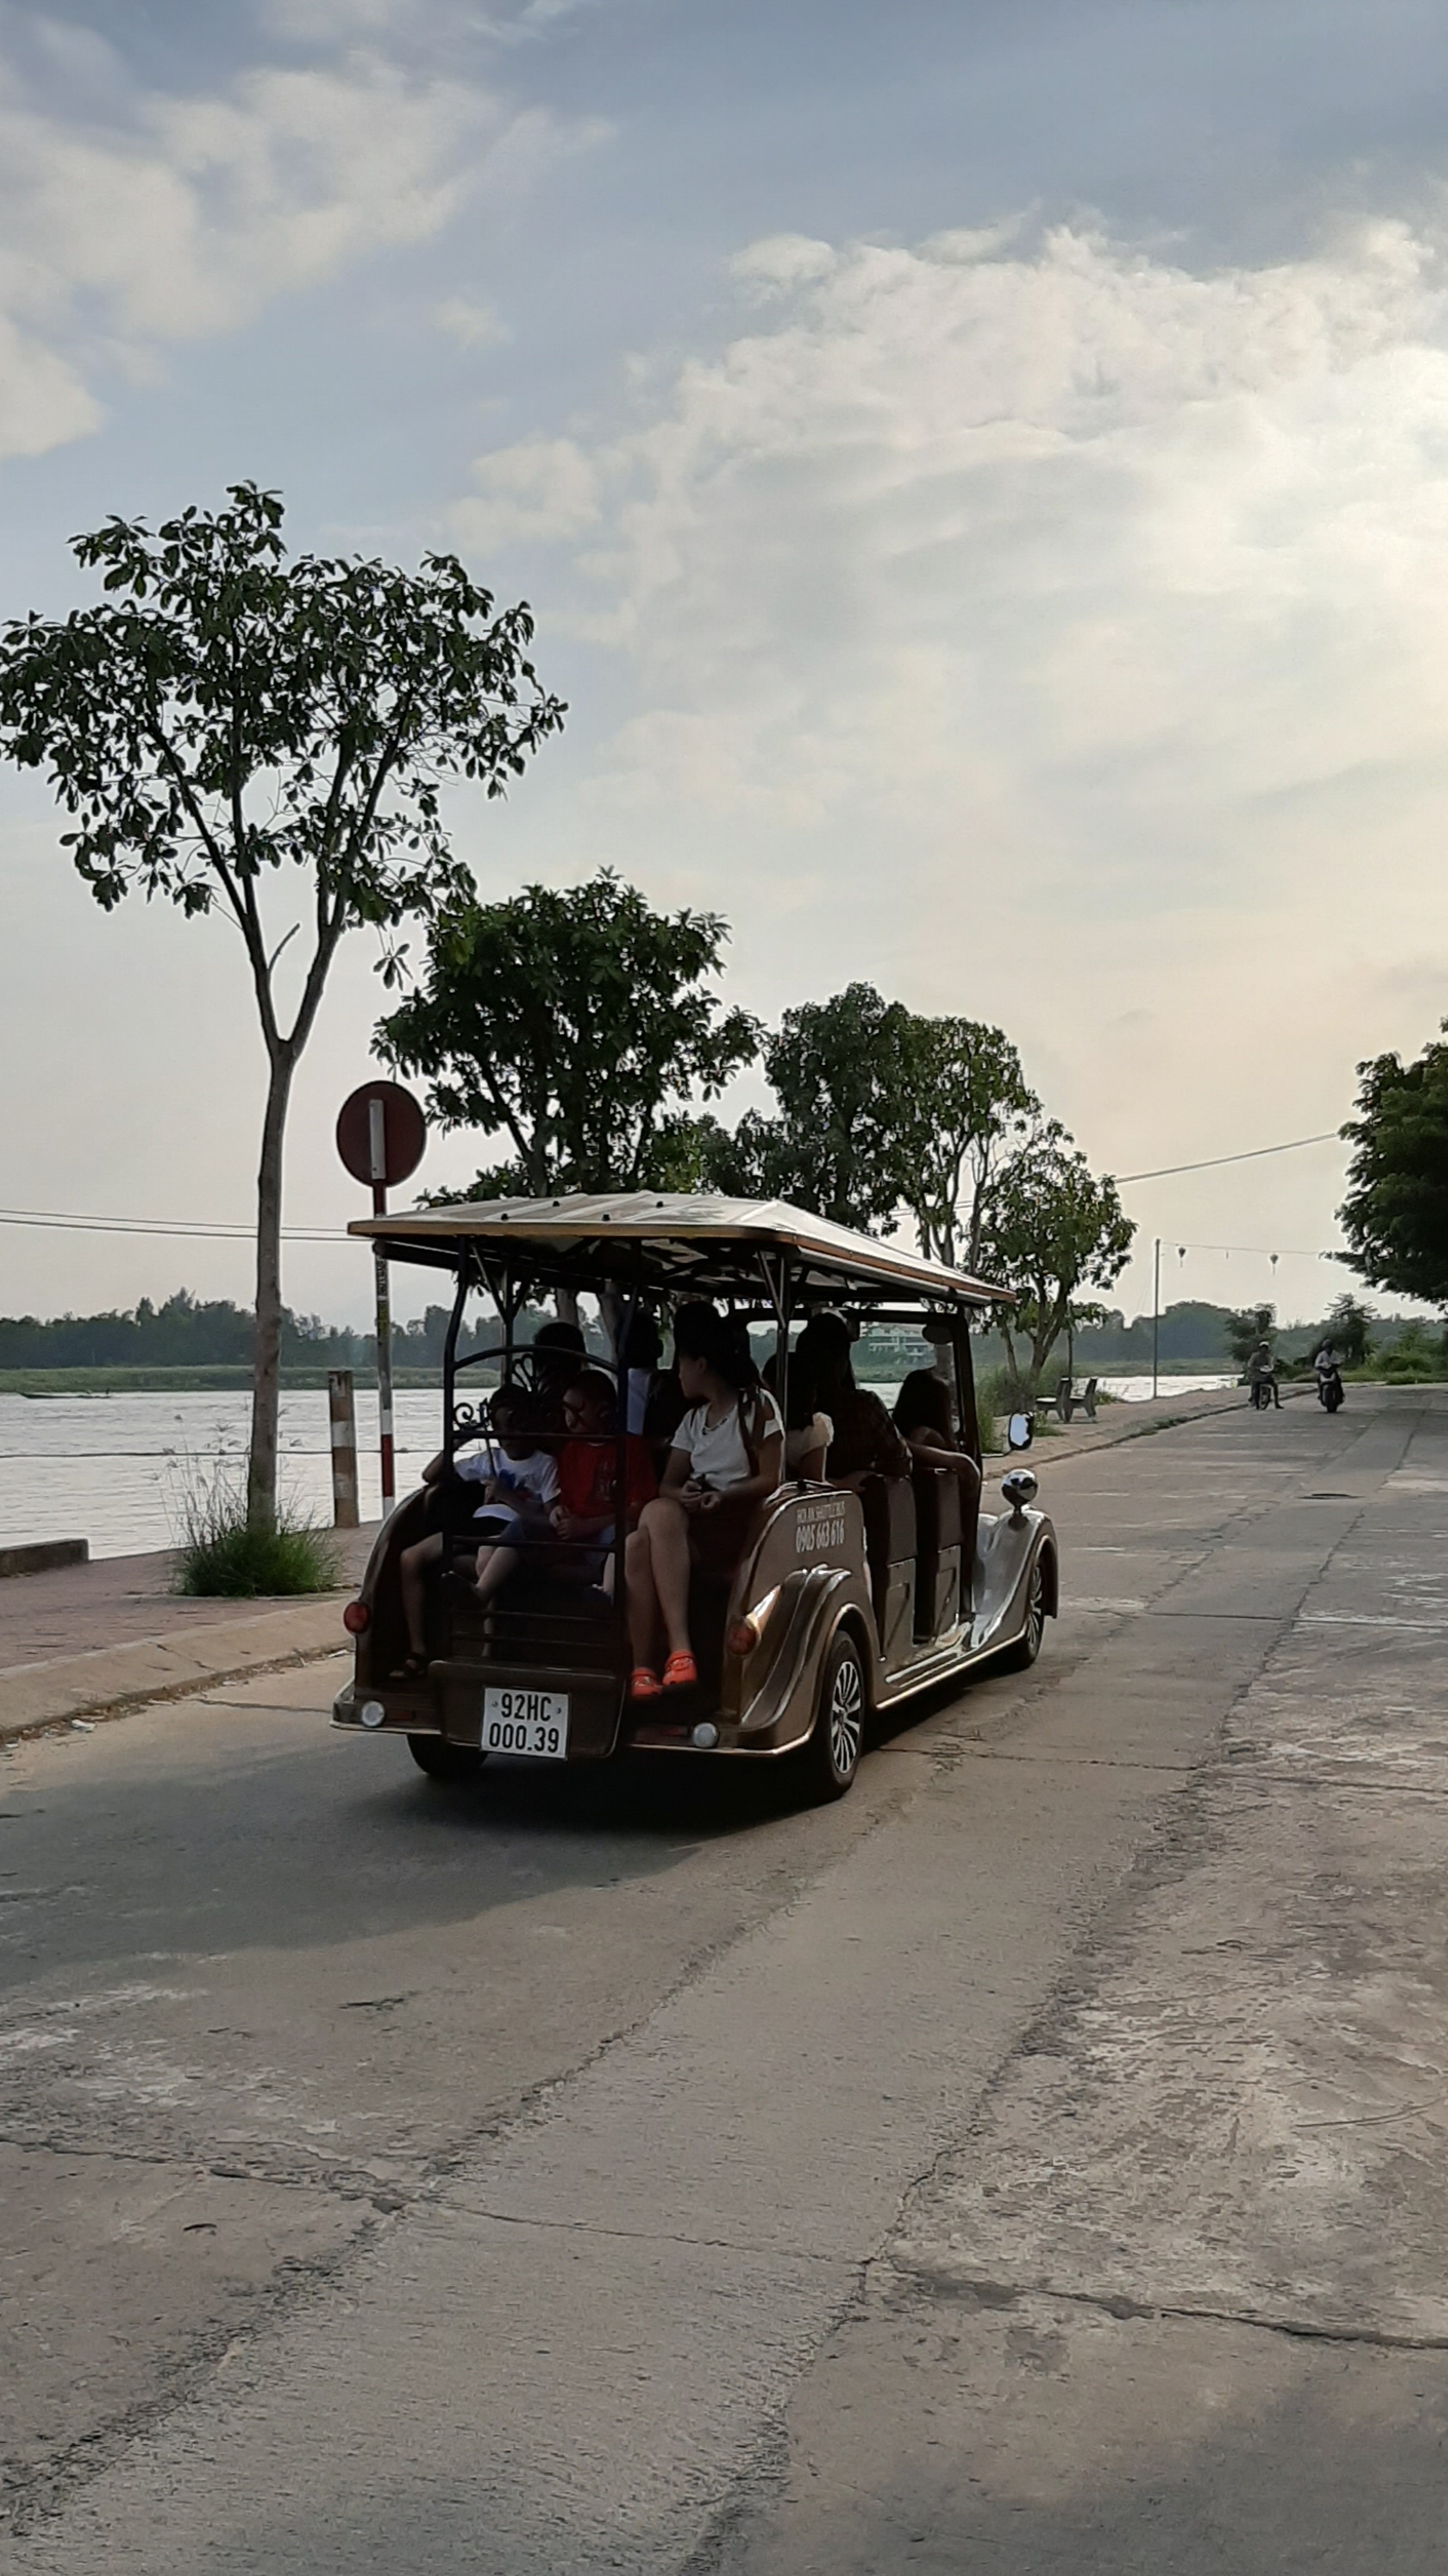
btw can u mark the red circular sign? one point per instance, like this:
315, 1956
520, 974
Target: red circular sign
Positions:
402, 1139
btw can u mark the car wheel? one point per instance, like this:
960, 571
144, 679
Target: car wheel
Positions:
1020, 1657
832, 1755
443, 1761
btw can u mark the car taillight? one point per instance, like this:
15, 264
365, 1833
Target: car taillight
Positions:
356, 1617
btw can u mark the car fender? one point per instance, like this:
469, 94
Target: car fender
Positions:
1007, 1547
818, 1603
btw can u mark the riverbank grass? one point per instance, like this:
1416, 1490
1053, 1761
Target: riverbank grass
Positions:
219, 1558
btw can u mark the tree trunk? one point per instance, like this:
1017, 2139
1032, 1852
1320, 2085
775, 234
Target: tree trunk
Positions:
261, 1474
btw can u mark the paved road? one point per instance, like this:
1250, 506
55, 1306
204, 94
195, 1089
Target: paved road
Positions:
1032, 2164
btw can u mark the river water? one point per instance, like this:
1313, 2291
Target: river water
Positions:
118, 1469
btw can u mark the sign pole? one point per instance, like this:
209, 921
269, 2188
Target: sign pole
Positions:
377, 1138
1155, 1318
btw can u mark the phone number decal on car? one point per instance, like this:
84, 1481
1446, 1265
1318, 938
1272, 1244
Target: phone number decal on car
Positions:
524, 1721
821, 1528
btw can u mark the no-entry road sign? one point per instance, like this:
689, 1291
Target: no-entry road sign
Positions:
403, 1136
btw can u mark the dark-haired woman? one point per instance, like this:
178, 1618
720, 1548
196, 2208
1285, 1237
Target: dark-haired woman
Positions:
807, 1431
865, 1441
725, 1457
922, 1418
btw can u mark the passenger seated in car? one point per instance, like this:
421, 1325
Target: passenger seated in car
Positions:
922, 1417
865, 1441
559, 1351
485, 1531
642, 1351
585, 1515
807, 1431
725, 1458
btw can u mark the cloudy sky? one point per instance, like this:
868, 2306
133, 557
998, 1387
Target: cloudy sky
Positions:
981, 474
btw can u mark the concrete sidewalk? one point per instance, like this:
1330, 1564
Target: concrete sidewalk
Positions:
86, 1639
1120, 1421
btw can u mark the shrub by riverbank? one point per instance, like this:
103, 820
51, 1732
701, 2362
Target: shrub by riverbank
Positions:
220, 1558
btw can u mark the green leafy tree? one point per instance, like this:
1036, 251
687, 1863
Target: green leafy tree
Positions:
1245, 1328
230, 722
575, 1024
1052, 1229
841, 1073
969, 1111
1395, 1215
1349, 1328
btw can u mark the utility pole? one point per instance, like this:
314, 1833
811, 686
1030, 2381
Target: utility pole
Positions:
1156, 1319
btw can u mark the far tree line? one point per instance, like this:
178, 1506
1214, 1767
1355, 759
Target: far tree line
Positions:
186, 1332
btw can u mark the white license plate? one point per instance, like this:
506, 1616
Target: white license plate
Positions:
526, 1721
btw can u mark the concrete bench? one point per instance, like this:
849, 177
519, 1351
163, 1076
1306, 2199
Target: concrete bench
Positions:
1069, 1398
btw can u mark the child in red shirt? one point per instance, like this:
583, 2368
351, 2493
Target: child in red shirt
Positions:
586, 1512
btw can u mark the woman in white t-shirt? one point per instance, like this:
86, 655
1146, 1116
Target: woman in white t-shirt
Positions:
726, 1456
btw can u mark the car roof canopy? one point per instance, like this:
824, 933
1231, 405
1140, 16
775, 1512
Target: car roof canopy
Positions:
674, 1243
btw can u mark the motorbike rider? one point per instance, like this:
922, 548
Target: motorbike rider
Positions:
1328, 1366
1262, 1370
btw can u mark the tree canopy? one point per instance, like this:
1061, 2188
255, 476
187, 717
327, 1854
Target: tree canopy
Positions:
575, 1023
1245, 1327
1395, 1215
837, 1142
1052, 1230
228, 719
970, 1109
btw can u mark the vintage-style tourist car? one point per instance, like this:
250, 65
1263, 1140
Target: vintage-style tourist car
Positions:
843, 1602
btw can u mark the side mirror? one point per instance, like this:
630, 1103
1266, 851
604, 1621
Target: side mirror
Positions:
1020, 1431
1020, 1487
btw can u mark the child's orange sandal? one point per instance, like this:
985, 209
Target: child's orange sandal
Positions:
681, 1673
642, 1684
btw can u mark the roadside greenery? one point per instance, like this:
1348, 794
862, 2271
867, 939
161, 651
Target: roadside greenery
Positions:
580, 1027
227, 716
575, 1024
1395, 1215
1246, 1327
223, 1556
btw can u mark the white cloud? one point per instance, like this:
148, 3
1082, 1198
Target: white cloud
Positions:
43, 401
472, 325
1070, 535
1050, 630
188, 216
538, 491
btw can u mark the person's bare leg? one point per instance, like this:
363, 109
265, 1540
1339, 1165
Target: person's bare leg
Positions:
412, 1568
669, 1558
643, 1604
495, 1565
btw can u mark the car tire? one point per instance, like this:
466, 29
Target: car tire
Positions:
452, 1763
832, 1756
1020, 1657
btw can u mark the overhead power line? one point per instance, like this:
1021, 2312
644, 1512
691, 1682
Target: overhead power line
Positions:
1266, 1252
1253, 1154
53, 1219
